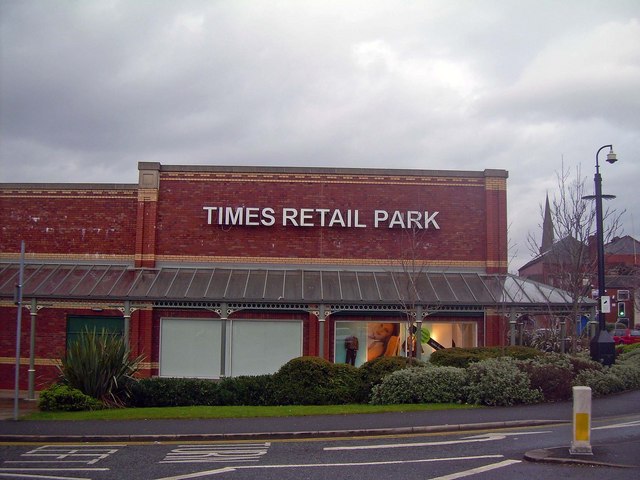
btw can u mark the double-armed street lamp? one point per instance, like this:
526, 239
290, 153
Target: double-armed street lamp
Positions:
602, 347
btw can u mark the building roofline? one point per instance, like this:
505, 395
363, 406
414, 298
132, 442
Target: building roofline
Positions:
322, 170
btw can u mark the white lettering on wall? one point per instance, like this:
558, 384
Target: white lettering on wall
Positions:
322, 217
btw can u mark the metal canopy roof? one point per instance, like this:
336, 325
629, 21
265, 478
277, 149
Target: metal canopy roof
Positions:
285, 286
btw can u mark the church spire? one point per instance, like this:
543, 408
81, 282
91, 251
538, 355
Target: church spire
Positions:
547, 229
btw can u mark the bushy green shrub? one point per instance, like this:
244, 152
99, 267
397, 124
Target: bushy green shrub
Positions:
374, 371
315, 381
551, 374
175, 392
628, 373
499, 381
581, 363
421, 385
601, 382
246, 390
64, 398
99, 365
463, 357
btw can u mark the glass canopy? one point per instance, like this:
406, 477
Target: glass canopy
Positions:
122, 282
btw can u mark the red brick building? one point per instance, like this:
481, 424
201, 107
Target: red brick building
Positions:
223, 271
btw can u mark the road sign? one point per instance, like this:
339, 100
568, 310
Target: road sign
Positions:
605, 304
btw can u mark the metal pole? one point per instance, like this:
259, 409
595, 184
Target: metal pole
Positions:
32, 350
600, 242
602, 346
16, 398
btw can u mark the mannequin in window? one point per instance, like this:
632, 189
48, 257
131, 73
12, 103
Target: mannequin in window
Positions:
351, 346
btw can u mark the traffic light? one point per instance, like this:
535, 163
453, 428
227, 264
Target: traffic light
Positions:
621, 309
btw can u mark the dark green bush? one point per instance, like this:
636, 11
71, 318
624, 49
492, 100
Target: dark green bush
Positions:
247, 390
315, 381
374, 371
64, 398
551, 374
463, 357
175, 392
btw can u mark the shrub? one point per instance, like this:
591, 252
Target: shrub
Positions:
551, 374
463, 357
175, 392
374, 371
315, 381
499, 381
421, 385
601, 382
581, 363
60, 397
246, 390
628, 373
99, 365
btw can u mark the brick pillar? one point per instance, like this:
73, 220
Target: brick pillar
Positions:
148, 187
142, 340
496, 208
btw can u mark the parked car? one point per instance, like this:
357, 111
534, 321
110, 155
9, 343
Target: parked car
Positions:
626, 336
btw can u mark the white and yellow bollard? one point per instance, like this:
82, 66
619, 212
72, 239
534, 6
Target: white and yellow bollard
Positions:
581, 443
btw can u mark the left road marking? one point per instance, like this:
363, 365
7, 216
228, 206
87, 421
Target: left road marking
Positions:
325, 465
473, 471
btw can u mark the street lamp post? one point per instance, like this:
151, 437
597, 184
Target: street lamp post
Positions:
602, 347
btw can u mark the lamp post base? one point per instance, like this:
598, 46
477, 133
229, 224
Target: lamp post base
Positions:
602, 348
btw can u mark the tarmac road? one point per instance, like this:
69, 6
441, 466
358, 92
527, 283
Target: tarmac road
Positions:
333, 425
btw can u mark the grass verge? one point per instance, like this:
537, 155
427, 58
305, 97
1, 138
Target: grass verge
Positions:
237, 412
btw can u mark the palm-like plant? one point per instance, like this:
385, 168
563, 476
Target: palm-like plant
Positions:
99, 365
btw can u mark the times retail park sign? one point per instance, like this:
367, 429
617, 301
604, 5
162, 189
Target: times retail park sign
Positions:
319, 217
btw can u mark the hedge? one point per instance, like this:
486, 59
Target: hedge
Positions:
463, 357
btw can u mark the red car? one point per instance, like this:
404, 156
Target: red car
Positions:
626, 336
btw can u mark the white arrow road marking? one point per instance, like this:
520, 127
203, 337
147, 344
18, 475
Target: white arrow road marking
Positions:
325, 465
635, 423
199, 474
473, 471
485, 437
32, 472
502, 436
46, 477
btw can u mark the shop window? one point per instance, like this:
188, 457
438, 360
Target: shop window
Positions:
193, 347
260, 347
190, 347
375, 339
77, 324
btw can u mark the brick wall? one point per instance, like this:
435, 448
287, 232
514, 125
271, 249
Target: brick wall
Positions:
68, 224
472, 219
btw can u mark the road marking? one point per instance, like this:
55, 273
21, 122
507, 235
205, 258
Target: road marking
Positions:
245, 452
485, 437
325, 465
635, 423
45, 477
409, 445
474, 471
502, 436
199, 474
88, 454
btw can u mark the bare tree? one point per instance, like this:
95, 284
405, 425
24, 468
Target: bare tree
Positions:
410, 282
570, 262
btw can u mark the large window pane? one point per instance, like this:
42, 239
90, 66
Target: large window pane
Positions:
190, 348
260, 347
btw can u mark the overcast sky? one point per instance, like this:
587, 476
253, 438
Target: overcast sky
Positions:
90, 88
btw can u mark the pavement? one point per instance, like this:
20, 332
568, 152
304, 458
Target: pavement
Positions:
621, 454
